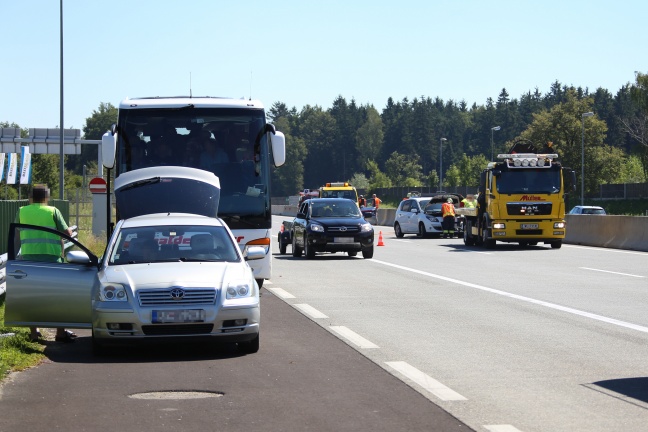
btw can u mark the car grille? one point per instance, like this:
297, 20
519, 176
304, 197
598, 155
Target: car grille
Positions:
344, 229
162, 296
177, 329
528, 208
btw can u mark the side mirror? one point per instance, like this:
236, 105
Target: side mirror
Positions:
109, 148
255, 253
278, 144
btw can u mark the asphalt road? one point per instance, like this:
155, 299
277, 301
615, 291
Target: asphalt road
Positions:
302, 379
510, 339
429, 335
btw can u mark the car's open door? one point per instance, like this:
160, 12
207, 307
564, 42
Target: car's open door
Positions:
48, 294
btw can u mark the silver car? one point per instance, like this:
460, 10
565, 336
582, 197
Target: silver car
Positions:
163, 277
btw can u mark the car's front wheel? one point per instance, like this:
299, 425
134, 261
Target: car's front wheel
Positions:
398, 231
308, 248
421, 232
296, 250
98, 348
368, 253
249, 347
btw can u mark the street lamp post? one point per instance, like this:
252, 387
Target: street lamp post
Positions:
587, 114
496, 128
441, 163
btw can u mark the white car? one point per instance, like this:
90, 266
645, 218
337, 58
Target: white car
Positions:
422, 215
163, 277
587, 210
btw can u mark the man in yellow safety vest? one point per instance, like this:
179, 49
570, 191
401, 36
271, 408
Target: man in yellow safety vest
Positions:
39, 245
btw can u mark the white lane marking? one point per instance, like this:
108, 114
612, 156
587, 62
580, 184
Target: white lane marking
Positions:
426, 381
607, 271
522, 298
353, 337
310, 311
402, 241
282, 293
502, 428
594, 248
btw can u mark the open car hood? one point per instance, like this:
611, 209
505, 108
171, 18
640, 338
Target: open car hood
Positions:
167, 189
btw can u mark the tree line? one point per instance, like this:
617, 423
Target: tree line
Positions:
401, 146
409, 142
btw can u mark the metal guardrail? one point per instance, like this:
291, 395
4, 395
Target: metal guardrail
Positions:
4, 257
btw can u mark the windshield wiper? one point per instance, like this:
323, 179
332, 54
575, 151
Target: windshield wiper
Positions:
140, 183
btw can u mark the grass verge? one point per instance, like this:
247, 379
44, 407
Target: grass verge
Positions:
17, 352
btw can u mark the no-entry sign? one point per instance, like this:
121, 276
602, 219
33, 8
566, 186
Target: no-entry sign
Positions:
97, 185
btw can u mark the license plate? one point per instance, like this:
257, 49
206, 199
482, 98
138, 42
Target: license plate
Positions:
343, 239
178, 316
529, 226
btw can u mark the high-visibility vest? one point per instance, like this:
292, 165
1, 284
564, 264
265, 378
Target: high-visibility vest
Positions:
39, 242
447, 209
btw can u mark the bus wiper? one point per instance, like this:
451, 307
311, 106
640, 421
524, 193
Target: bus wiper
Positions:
140, 183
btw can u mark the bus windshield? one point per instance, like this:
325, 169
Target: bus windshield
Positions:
230, 142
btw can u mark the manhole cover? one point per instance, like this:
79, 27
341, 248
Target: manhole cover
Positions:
176, 394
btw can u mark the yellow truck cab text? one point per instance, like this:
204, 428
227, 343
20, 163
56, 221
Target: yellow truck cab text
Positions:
521, 199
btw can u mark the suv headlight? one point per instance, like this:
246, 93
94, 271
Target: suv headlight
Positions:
239, 289
366, 227
112, 292
316, 228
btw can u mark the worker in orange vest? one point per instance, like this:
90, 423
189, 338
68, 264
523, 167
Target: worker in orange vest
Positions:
448, 213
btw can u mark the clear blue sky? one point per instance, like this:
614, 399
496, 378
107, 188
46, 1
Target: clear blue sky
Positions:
308, 53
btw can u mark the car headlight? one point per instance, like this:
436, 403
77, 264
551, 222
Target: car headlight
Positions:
239, 289
366, 227
112, 292
316, 228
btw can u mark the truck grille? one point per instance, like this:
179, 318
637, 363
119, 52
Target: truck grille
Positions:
528, 208
177, 329
528, 232
190, 296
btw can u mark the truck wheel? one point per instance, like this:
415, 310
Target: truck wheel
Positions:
469, 240
488, 243
308, 249
398, 231
556, 244
367, 253
296, 250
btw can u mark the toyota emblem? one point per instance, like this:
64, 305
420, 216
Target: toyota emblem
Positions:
343, 228
177, 293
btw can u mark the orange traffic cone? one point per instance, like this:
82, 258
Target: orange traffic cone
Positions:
380, 240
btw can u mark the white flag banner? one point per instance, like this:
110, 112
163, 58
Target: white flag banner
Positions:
2, 165
12, 168
25, 165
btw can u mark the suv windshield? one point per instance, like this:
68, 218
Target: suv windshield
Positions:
346, 208
164, 243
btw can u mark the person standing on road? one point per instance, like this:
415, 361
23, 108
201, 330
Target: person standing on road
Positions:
42, 246
469, 201
448, 213
362, 202
376, 201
